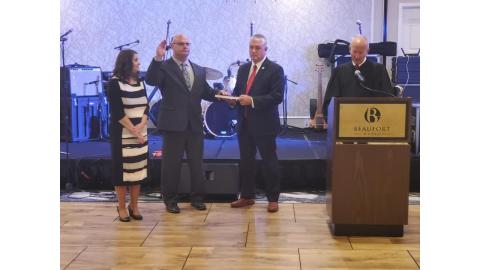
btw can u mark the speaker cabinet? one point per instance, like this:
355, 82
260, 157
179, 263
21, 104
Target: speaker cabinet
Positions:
220, 178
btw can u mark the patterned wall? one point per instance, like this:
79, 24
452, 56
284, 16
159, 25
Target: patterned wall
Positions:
219, 31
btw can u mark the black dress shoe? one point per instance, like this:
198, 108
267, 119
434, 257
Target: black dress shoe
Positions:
124, 219
136, 217
172, 208
199, 206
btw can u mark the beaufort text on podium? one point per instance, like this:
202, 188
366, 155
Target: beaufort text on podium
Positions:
368, 166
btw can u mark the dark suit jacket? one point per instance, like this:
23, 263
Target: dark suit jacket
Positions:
267, 93
179, 106
343, 83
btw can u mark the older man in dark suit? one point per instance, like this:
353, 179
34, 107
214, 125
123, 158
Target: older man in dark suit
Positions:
260, 85
183, 85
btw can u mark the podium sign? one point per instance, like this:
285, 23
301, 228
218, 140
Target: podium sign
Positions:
372, 121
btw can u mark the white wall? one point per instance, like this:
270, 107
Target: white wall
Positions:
219, 31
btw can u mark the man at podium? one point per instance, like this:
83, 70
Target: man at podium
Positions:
358, 78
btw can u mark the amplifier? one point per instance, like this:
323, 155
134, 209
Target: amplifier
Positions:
385, 48
80, 81
347, 58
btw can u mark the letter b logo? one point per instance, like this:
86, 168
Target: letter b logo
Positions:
372, 115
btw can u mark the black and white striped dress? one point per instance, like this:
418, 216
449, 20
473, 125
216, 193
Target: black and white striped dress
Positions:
129, 156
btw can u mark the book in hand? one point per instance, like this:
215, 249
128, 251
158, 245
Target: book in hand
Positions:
226, 97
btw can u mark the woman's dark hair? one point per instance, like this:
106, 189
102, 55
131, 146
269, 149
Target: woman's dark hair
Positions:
124, 65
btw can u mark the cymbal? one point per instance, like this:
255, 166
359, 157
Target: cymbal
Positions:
213, 74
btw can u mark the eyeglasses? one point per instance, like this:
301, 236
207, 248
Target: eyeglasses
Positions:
182, 43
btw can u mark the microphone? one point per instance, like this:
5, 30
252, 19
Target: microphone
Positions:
359, 23
93, 82
168, 31
361, 80
398, 90
67, 33
126, 44
359, 76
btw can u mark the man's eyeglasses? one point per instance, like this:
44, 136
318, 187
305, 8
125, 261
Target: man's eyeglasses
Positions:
182, 43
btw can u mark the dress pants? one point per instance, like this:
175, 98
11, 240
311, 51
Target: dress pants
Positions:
267, 148
174, 146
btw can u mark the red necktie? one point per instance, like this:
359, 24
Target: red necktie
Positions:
247, 90
250, 79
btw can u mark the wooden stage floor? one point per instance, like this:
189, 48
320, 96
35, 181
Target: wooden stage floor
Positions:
296, 237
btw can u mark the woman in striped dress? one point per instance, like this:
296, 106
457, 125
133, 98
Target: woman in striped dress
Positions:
128, 132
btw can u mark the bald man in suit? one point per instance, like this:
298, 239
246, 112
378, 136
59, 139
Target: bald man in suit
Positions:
183, 85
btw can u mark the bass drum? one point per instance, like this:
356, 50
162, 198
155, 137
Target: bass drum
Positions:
220, 120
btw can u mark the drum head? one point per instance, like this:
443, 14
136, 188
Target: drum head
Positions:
221, 120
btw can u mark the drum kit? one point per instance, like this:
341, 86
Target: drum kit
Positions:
219, 119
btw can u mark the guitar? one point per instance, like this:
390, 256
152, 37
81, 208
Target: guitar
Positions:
318, 122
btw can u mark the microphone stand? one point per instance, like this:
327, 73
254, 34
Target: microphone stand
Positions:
285, 125
62, 48
156, 88
167, 53
120, 47
66, 111
100, 111
375, 91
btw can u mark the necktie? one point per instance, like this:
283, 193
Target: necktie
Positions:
357, 67
250, 79
186, 76
247, 90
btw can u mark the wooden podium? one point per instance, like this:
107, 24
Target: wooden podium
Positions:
368, 166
